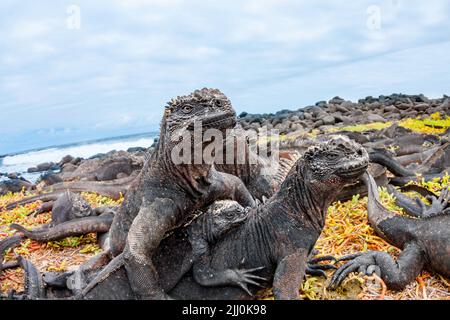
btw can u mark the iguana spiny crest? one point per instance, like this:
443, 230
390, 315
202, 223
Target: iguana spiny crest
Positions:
210, 106
338, 158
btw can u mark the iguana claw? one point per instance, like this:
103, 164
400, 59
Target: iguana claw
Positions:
361, 262
314, 268
438, 205
242, 277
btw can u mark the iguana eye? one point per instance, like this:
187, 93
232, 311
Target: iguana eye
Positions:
230, 215
187, 108
332, 156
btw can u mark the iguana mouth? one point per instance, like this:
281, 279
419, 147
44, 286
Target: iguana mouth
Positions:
353, 172
221, 121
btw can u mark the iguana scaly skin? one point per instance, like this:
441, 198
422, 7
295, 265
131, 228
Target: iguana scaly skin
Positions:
204, 231
425, 243
165, 194
278, 235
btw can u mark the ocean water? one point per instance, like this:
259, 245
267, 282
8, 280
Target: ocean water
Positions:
20, 162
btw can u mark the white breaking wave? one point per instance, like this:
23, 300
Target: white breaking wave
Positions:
21, 162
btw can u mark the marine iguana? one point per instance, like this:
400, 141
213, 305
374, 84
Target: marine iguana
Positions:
71, 216
204, 231
165, 194
425, 243
278, 235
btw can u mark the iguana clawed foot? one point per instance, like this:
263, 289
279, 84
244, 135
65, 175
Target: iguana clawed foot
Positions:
438, 205
314, 268
243, 277
360, 262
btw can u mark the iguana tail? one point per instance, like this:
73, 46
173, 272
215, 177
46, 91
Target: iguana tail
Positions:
34, 285
114, 265
71, 228
52, 196
390, 163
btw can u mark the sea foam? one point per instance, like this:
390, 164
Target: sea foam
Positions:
21, 162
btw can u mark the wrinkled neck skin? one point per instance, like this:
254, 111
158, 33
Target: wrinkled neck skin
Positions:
304, 199
192, 179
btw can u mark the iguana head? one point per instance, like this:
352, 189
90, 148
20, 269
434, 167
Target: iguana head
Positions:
222, 216
337, 161
80, 207
210, 106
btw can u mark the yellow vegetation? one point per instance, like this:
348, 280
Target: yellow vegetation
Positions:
367, 127
346, 231
434, 124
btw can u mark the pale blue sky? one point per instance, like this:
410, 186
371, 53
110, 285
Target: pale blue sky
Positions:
113, 75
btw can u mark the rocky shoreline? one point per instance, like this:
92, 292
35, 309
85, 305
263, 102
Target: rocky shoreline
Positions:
338, 113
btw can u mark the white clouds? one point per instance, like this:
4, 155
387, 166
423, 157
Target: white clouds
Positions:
42, 48
29, 29
130, 57
433, 12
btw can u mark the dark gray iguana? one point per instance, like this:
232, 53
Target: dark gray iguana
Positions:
71, 216
278, 235
425, 243
165, 194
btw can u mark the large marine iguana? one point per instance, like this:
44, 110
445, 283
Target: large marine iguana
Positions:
165, 194
425, 243
278, 235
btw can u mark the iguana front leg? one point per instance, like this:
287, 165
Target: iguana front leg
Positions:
289, 275
146, 232
438, 205
208, 277
396, 274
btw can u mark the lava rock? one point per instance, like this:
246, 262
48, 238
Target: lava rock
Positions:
372, 117
136, 149
328, 120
